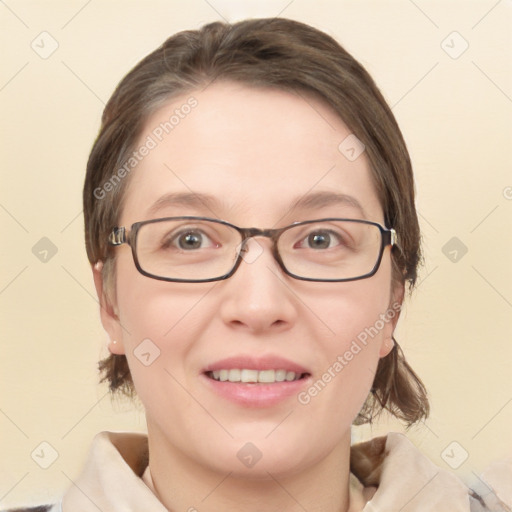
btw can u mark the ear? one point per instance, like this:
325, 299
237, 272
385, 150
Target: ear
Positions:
390, 317
108, 312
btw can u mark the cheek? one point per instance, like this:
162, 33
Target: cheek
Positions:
353, 311
149, 308
358, 320
160, 323
337, 393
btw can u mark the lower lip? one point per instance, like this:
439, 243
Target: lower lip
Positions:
256, 395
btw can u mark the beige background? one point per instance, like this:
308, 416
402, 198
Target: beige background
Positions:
456, 114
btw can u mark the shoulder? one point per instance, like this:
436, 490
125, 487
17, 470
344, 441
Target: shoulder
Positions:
40, 508
392, 465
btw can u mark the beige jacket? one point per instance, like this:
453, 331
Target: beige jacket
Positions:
388, 474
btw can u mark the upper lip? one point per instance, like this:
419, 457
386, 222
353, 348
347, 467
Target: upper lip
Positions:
269, 362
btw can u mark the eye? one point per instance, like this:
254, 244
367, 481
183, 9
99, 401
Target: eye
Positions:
189, 240
321, 239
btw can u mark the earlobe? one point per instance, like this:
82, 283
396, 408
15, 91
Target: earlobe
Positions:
115, 348
387, 346
392, 315
108, 313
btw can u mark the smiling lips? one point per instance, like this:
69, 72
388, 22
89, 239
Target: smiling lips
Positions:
254, 376
256, 381
247, 369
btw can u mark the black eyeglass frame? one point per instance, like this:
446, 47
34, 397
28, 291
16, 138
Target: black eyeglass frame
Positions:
119, 236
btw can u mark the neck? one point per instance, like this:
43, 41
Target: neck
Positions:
182, 483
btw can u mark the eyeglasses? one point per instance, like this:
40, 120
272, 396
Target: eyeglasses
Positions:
200, 249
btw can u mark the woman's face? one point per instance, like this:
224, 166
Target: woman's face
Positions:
248, 156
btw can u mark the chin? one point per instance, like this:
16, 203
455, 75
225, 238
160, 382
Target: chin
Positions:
262, 458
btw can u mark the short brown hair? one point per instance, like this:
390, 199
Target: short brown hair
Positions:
273, 53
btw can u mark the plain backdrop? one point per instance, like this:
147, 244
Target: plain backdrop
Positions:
443, 66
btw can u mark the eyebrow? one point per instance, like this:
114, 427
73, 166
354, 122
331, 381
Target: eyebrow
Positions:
319, 200
186, 199
199, 201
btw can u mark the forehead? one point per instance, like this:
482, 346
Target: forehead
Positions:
256, 154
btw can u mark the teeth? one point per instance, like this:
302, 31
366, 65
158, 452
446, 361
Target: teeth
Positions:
253, 376
280, 375
247, 375
267, 376
234, 375
290, 376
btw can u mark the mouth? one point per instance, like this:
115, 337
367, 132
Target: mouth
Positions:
260, 382
250, 376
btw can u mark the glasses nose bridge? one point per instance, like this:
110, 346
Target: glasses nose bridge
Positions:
272, 234
248, 233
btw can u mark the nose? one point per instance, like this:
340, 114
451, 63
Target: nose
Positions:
257, 298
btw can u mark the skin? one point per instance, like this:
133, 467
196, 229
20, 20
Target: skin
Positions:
256, 151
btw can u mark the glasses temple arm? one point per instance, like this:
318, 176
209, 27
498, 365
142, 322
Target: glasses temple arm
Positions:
117, 236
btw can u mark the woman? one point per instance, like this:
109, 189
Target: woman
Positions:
250, 221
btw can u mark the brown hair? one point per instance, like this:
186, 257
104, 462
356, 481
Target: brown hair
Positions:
287, 55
